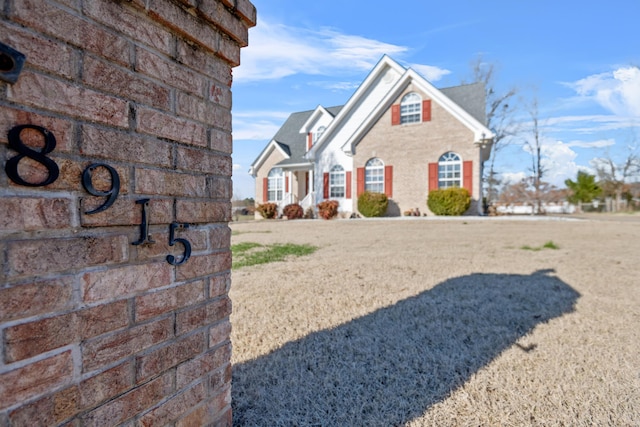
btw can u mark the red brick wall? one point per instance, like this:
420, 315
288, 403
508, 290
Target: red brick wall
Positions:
94, 329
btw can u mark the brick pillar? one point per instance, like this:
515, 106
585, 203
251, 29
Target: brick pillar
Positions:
114, 244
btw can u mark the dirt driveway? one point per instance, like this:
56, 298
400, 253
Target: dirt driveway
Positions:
423, 322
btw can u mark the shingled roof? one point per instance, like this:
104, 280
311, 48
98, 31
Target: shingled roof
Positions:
289, 135
470, 97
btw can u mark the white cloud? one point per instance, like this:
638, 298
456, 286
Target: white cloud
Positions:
276, 51
618, 91
591, 144
588, 124
430, 72
254, 129
512, 177
336, 86
257, 125
237, 166
264, 114
559, 163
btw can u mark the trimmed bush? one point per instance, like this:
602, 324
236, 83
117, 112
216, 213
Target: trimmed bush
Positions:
372, 204
268, 210
293, 211
449, 201
328, 209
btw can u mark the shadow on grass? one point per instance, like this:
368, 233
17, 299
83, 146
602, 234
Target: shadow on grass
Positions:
389, 367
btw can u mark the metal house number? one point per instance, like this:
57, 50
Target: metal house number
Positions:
110, 195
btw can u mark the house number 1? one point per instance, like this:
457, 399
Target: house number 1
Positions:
110, 195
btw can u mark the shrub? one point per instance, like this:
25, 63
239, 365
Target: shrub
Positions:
293, 211
328, 209
372, 204
268, 210
449, 201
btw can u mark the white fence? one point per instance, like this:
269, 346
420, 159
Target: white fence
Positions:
529, 209
607, 205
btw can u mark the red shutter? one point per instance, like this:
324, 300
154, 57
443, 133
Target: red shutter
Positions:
306, 183
433, 176
360, 181
309, 141
395, 114
426, 110
388, 181
286, 183
348, 185
467, 176
325, 183
265, 190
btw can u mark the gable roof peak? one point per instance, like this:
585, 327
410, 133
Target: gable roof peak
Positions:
313, 117
283, 148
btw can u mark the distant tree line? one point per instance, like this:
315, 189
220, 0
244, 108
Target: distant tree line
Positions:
618, 181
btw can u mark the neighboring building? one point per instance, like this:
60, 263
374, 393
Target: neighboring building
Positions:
397, 135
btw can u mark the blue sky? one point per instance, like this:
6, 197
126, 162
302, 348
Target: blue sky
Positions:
579, 59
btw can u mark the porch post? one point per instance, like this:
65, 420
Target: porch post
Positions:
288, 188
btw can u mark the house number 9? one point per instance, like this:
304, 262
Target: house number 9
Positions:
110, 195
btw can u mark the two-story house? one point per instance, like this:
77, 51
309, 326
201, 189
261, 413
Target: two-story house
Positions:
397, 135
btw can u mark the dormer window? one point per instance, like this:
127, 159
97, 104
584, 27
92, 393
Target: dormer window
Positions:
318, 133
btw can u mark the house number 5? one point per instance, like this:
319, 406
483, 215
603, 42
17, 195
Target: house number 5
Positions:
53, 171
173, 240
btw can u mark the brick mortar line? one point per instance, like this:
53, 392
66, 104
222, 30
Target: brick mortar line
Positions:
12, 366
78, 123
78, 233
158, 80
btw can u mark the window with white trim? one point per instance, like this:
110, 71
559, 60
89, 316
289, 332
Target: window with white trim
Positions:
374, 176
275, 185
449, 170
411, 108
336, 181
318, 133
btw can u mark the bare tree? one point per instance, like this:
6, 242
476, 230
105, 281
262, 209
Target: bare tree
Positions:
500, 119
515, 193
522, 192
535, 148
615, 176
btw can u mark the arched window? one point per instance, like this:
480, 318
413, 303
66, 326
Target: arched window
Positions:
275, 185
336, 181
411, 108
374, 176
318, 133
449, 170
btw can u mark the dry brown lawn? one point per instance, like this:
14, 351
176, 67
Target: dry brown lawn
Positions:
422, 322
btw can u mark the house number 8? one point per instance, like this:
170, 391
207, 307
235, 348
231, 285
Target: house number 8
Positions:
111, 195
39, 156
